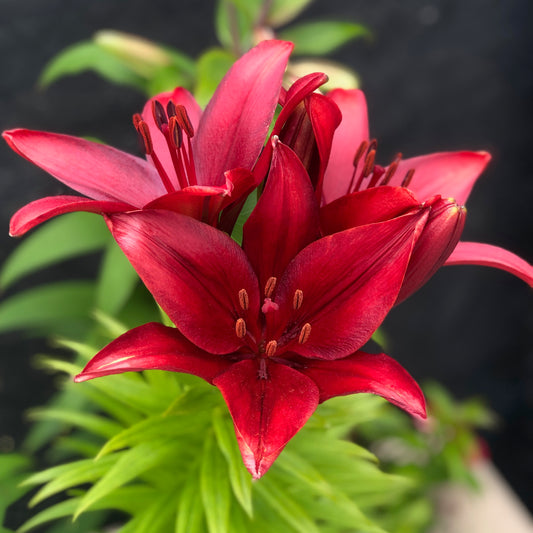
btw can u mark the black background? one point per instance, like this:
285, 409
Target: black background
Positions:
439, 75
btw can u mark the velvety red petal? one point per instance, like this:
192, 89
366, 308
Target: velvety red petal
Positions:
235, 123
436, 242
363, 372
195, 273
476, 253
352, 131
153, 347
450, 174
43, 209
366, 207
94, 170
267, 412
285, 219
348, 283
178, 96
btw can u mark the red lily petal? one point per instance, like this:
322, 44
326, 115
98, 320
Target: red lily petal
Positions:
267, 412
235, 123
476, 253
352, 131
440, 236
94, 170
195, 273
43, 209
363, 372
366, 207
153, 347
450, 174
285, 219
178, 96
348, 283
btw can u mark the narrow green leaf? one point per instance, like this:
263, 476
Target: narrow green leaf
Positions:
240, 479
321, 38
233, 27
116, 281
214, 488
211, 68
87, 55
246, 210
283, 11
190, 516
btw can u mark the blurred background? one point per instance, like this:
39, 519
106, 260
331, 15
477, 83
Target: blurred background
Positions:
438, 75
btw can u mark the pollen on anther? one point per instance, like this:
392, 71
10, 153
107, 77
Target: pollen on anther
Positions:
305, 332
240, 328
297, 299
270, 285
244, 300
184, 121
270, 348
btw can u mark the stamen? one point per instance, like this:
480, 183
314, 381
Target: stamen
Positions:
389, 173
171, 109
271, 348
408, 177
160, 117
175, 133
304, 333
244, 301
369, 163
360, 151
185, 122
240, 328
136, 119
297, 299
145, 137
270, 286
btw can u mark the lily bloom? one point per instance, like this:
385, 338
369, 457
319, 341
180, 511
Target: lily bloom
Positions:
357, 191
196, 163
276, 325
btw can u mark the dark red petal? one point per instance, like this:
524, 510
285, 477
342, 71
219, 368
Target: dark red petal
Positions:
476, 253
178, 96
235, 123
366, 207
352, 131
94, 170
450, 174
349, 282
285, 219
436, 242
153, 347
266, 413
195, 273
43, 209
363, 372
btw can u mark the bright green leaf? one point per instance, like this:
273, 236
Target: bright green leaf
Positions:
212, 66
190, 514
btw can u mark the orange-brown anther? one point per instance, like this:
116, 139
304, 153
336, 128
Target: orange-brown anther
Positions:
244, 301
297, 299
240, 328
184, 121
391, 169
360, 151
174, 129
305, 332
408, 177
146, 139
136, 119
369, 163
270, 286
271, 348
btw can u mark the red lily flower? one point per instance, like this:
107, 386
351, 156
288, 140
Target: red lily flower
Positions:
276, 325
197, 163
357, 191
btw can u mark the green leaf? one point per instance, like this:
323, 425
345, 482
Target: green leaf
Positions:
55, 307
116, 281
283, 11
211, 68
233, 26
214, 488
190, 509
321, 38
240, 479
87, 55
246, 211
13, 468
62, 238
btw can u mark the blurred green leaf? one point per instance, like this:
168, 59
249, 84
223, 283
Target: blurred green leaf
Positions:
190, 508
283, 11
88, 55
246, 211
62, 238
233, 27
13, 468
321, 38
211, 68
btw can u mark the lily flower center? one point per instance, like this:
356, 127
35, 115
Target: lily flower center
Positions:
367, 174
175, 125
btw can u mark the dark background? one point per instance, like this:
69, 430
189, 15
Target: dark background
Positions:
439, 75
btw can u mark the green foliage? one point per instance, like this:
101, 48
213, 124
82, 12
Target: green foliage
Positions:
212, 65
283, 11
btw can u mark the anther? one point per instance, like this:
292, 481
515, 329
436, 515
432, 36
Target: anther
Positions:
145, 137
244, 301
408, 177
360, 151
391, 169
369, 163
174, 130
171, 109
270, 286
240, 328
184, 121
297, 299
270, 348
160, 117
136, 119
305, 332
